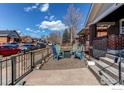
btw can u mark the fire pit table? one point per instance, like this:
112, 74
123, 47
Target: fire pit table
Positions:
66, 52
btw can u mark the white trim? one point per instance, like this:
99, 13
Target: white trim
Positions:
120, 25
85, 24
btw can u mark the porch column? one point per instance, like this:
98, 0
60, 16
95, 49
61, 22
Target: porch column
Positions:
92, 33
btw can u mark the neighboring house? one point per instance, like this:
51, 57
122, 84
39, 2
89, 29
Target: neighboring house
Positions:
105, 24
9, 36
26, 39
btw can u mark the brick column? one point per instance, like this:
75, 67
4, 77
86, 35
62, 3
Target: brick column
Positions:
92, 33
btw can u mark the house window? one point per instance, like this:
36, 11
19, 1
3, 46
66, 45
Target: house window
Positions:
101, 34
122, 26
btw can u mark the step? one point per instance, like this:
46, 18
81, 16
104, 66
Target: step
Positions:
104, 78
110, 61
107, 79
94, 70
113, 72
111, 56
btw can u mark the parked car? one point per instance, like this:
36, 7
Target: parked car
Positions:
15, 44
49, 44
7, 50
27, 47
41, 45
11, 45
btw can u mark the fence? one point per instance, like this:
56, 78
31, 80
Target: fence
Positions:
16, 67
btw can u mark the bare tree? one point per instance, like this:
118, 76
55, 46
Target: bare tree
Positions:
55, 37
72, 20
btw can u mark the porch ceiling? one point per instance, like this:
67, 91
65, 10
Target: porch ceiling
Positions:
95, 8
115, 15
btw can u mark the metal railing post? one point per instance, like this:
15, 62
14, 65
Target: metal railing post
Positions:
120, 79
32, 60
47, 52
13, 63
119, 64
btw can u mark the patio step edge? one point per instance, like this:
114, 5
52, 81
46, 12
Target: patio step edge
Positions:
104, 80
110, 56
110, 61
113, 72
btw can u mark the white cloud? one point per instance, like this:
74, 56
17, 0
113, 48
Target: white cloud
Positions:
44, 7
32, 30
30, 8
52, 25
37, 31
27, 9
43, 31
33, 7
18, 31
37, 4
28, 29
51, 17
46, 17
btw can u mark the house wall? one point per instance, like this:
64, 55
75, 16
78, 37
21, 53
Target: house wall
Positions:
26, 39
100, 46
6, 40
11, 40
114, 29
114, 40
3, 40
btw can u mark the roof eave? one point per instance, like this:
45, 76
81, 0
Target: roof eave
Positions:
107, 12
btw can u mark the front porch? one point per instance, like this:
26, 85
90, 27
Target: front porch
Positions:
106, 46
106, 35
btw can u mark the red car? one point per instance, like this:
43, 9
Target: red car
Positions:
8, 50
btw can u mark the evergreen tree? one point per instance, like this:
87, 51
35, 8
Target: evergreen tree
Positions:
66, 36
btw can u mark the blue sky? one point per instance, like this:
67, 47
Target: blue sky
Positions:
37, 19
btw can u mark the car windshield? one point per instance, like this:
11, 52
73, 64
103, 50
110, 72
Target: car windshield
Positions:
27, 45
9, 47
13, 43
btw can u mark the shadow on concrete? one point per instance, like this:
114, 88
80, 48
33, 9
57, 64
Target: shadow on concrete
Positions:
63, 64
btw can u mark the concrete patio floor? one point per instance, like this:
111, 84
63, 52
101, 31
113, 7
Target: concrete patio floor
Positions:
68, 71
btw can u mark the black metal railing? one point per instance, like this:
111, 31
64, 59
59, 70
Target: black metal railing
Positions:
16, 67
114, 45
99, 47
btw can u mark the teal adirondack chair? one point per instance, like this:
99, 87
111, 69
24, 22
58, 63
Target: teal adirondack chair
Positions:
74, 48
56, 50
79, 52
59, 52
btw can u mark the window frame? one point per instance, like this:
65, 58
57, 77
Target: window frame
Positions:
120, 26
